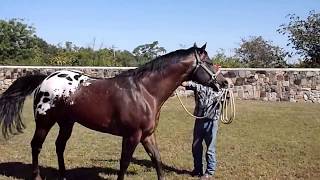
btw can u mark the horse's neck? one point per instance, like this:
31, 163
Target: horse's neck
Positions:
162, 84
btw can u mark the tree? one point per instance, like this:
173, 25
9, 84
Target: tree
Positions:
85, 56
259, 53
226, 61
304, 36
126, 58
20, 45
147, 52
17, 40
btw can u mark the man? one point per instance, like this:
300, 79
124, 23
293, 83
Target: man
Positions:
205, 128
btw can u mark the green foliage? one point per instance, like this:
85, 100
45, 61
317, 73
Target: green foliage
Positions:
224, 61
126, 58
147, 52
17, 41
19, 45
259, 53
304, 36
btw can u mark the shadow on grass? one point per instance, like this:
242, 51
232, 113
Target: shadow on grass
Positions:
23, 171
20, 170
167, 168
149, 164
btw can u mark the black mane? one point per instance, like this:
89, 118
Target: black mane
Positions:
159, 63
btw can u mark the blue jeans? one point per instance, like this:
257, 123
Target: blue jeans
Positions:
205, 129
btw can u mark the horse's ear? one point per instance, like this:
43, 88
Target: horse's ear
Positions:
204, 47
195, 45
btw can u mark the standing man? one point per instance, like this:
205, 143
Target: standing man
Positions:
204, 128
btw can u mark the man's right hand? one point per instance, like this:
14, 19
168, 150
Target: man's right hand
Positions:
184, 83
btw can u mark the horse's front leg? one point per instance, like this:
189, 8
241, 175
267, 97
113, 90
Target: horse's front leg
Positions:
150, 145
129, 144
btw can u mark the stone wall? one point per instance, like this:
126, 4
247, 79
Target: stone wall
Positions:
294, 85
8, 74
276, 84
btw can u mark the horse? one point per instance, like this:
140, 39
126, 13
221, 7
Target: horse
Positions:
126, 105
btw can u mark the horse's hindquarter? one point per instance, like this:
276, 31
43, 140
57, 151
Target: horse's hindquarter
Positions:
113, 107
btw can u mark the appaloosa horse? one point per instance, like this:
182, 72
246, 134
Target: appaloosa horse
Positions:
126, 105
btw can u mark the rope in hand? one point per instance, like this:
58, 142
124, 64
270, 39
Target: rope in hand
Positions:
228, 111
226, 101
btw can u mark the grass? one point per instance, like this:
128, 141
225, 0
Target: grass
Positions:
266, 141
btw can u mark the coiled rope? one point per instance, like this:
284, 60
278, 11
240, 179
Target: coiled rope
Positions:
227, 106
228, 111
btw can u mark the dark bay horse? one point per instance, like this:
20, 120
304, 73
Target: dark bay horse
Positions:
126, 105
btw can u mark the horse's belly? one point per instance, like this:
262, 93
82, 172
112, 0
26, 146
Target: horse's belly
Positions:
99, 127
101, 115
95, 121
93, 111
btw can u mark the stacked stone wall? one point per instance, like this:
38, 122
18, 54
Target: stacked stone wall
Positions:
294, 85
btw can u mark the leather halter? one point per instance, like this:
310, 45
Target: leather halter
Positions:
201, 64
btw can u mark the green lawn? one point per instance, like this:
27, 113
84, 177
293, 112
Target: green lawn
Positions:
266, 141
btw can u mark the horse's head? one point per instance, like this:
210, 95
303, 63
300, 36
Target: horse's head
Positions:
204, 71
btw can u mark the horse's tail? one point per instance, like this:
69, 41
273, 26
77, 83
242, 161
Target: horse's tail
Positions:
12, 100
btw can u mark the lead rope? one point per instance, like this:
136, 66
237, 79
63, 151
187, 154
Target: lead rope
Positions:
224, 117
228, 112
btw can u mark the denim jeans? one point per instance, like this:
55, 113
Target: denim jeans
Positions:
205, 129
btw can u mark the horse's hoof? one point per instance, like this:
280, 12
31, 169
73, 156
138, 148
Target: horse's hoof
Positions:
38, 177
62, 178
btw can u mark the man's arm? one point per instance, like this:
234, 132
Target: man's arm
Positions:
189, 85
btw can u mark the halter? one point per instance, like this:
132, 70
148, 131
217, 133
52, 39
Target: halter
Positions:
200, 63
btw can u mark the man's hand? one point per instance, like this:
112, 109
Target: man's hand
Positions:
184, 84
216, 68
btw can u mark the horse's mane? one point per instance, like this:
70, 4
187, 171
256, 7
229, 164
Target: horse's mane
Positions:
158, 63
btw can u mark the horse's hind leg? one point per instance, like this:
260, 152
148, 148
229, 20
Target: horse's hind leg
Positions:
43, 126
64, 134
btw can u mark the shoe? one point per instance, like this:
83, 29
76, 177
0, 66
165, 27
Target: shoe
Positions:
206, 177
195, 173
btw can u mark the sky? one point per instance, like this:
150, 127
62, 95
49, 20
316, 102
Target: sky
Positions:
175, 24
